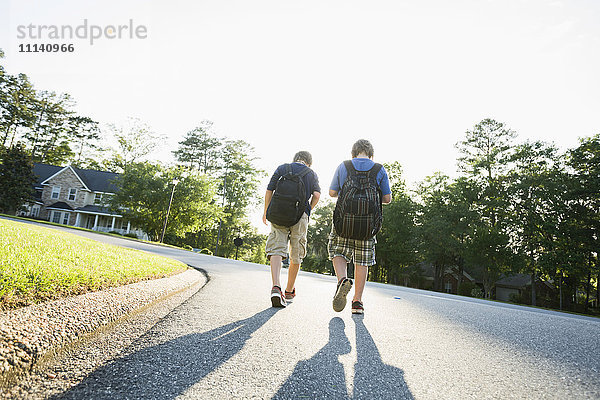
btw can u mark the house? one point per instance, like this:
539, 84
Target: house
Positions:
518, 286
449, 277
77, 197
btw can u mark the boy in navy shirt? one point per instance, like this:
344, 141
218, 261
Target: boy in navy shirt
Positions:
277, 242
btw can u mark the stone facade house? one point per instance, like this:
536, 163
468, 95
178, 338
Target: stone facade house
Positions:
77, 197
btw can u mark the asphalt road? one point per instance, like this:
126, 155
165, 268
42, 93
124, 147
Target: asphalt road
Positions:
227, 342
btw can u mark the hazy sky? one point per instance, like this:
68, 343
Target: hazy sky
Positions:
411, 76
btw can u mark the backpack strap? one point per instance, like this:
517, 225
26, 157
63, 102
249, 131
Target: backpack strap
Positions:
374, 171
305, 171
288, 169
349, 167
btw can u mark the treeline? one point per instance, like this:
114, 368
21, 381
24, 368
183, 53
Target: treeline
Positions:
43, 122
216, 187
516, 207
216, 179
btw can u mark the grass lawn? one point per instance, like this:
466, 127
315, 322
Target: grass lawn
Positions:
39, 264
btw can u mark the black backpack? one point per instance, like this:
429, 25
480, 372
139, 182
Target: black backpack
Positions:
289, 198
358, 213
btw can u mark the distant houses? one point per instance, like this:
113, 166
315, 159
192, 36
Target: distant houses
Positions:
77, 197
450, 278
517, 288
514, 287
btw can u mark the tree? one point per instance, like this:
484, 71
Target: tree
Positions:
446, 224
200, 149
231, 164
486, 152
135, 140
43, 122
321, 220
143, 194
16, 179
397, 242
238, 179
584, 196
49, 137
17, 100
86, 133
533, 196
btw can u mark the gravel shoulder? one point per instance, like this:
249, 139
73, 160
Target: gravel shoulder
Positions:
38, 341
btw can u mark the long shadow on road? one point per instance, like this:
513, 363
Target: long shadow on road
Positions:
373, 379
322, 376
167, 370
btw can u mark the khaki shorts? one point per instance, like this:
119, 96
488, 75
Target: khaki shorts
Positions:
277, 242
362, 252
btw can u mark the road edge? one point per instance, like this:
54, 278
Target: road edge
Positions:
35, 336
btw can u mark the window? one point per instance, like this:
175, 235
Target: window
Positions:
72, 194
56, 217
448, 287
55, 192
35, 211
98, 198
66, 218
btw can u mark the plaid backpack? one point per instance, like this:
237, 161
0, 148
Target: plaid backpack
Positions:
358, 213
289, 198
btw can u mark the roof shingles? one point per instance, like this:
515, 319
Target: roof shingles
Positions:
96, 181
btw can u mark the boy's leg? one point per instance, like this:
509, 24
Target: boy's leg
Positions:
297, 250
292, 274
364, 257
340, 265
276, 247
276, 270
360, 278
340, 252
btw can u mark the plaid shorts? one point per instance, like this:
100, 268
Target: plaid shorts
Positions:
361, 251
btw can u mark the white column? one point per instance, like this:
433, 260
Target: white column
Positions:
128, 226
77, 218
112, 227
95, 222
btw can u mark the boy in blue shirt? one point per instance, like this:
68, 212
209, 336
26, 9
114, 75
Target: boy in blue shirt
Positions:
344, 250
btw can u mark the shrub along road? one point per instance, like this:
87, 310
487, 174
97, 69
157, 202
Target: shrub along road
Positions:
227, 342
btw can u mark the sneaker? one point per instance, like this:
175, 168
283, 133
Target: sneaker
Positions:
339, 300
277, 298
289, 296
357, 307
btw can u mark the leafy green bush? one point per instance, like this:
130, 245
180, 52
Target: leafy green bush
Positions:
466, 288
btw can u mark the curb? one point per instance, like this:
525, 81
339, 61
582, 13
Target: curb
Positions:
31, 335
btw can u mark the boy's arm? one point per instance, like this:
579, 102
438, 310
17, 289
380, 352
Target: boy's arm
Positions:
333, 193
385, 187
268, 196
314, 199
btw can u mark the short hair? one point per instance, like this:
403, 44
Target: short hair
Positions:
362, 146
303, 156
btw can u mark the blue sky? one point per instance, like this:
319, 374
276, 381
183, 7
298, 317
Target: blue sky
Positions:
411, 76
